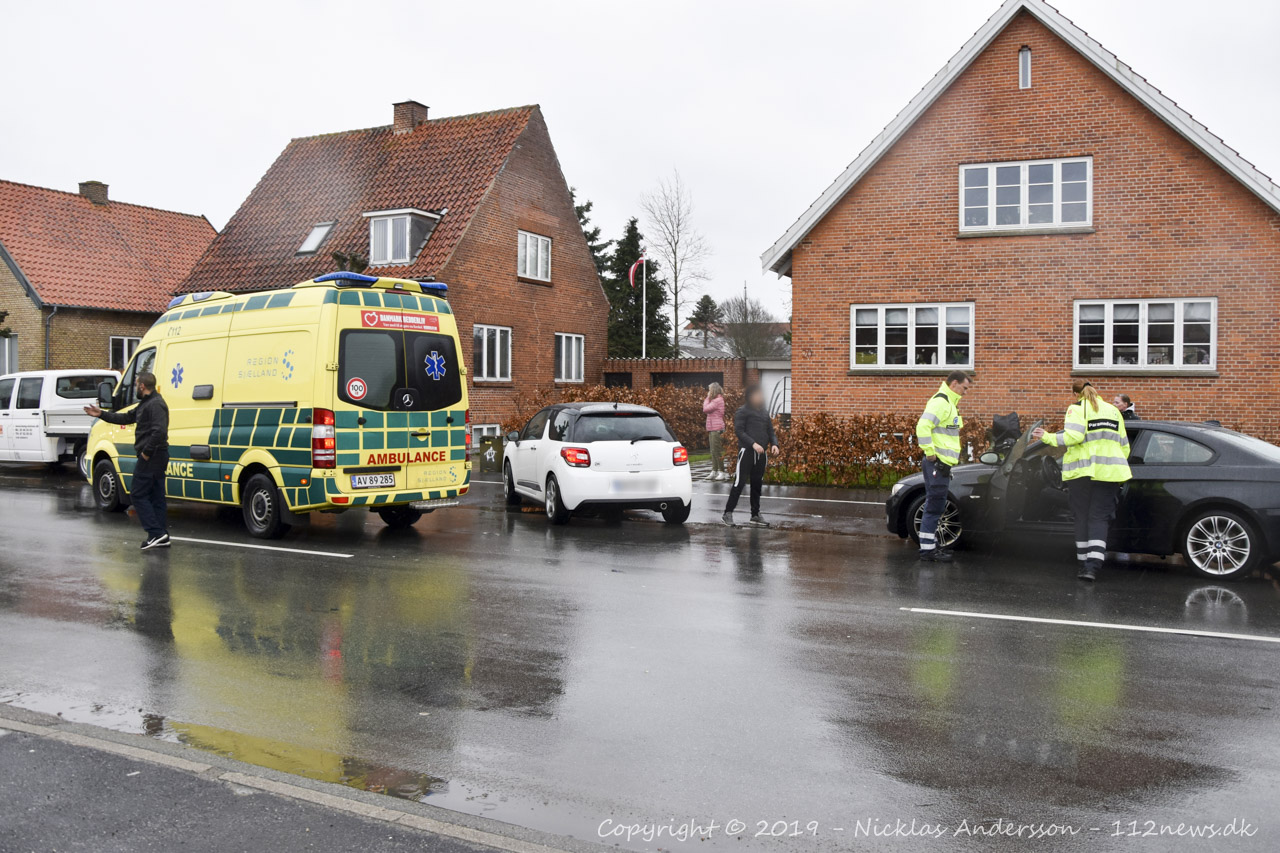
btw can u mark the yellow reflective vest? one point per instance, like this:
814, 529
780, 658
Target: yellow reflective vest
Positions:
1096, 441
938, 430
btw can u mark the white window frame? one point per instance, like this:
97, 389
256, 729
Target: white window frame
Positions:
1024, 67
533, 256
941, 366
479, 431
382, 256
9, 357
1023, 223
315, 238
1143, 365
482, 371
130, 346
572, 348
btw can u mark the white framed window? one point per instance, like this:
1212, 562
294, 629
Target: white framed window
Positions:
569, 357
1146, 334
1032, 194
491, 354
8, 358
315, 237
120, 350
911, 336
480, 431
1024, 68
533, 256
389, 240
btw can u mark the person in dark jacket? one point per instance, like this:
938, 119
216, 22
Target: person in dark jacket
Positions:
1128, 411
756, 439
151, 444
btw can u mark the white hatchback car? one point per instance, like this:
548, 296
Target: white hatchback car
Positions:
577, 457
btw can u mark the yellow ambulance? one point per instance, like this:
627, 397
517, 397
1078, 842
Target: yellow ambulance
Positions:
347, 391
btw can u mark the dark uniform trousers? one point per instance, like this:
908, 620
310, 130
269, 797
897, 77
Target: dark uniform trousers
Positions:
1093, 505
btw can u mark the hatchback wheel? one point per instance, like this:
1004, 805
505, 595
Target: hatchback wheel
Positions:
106, 487
949, 526
676, 512
263, 508
556, 513
1219, 543
509, 486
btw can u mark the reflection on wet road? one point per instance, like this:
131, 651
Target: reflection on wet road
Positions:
561, 677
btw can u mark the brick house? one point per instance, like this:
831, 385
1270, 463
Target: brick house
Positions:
476, 201
1040, 211
83, 277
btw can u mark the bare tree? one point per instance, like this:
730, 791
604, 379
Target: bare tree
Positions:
676, 243
749, 329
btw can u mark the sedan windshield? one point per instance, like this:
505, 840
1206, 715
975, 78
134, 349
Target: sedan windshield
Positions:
620, 426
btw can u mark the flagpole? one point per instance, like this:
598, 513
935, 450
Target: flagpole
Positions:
644, 309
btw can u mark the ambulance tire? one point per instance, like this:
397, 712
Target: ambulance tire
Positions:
262, 508
556, 511
400, 517
107, 493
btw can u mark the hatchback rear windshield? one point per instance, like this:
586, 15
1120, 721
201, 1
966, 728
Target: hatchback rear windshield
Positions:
80, 387
620, 426
385, 370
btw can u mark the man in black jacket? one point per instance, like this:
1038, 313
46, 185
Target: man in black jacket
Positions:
756, 438
151, 444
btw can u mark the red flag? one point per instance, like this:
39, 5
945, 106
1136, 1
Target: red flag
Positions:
631, 274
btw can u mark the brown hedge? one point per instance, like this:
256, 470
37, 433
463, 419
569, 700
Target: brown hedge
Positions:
859, 451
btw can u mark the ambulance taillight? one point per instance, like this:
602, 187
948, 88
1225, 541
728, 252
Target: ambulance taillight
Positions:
468, 421
324, 439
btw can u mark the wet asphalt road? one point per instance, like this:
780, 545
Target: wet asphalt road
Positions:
636, 674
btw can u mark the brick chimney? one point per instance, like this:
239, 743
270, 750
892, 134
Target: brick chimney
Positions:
408, 115
95, 191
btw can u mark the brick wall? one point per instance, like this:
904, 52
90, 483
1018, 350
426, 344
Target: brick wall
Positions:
78, 338
1169, 223
529, 194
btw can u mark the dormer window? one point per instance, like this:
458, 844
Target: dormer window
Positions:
315, 237
397, 236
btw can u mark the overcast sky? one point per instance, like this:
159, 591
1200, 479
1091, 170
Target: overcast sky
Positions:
758, 104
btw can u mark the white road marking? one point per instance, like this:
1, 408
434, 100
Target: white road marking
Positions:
765, 497
1188, 632
262, 547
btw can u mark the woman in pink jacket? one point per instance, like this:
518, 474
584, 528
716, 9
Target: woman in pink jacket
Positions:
713, 407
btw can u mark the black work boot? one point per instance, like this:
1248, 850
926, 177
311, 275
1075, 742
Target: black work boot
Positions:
1087, 573
936, 556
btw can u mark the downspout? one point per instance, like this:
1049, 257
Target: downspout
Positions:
48, 322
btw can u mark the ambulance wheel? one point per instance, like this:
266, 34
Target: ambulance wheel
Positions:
400, 517
556, 512
509, 486
263, 508
106, 487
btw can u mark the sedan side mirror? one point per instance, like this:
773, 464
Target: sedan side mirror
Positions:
513, 437
105, 390
990, 458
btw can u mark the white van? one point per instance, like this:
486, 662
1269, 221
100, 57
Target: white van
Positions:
42, 415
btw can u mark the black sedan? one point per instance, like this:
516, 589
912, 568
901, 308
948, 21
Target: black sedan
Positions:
1208, 493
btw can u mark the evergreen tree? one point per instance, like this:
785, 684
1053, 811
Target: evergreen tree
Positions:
624, 301
706, 316
599, 249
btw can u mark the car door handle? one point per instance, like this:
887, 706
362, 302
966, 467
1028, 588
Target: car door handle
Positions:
532, 447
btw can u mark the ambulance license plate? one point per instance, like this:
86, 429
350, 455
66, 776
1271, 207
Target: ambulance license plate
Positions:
373, 481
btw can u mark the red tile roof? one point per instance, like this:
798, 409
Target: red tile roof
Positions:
118, 256
442, 163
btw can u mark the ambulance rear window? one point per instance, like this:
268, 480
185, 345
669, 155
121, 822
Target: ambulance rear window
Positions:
394, 370
368, 365
433, 370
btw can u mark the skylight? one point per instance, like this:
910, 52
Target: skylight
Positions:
315, 237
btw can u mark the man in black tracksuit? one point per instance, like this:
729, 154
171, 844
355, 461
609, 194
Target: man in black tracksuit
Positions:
151, 445
756, 439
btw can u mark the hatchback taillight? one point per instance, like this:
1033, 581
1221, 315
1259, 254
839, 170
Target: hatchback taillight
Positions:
679, 456
324, 439
576, 457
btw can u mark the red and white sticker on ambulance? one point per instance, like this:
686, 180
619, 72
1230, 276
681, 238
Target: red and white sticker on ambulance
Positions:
372, 319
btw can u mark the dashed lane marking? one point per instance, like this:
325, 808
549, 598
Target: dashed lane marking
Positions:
1147, 629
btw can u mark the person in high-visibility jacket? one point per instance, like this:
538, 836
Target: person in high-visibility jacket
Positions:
1094, 468
938, 434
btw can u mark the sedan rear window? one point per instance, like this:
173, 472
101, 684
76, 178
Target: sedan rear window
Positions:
620, 426
79, 387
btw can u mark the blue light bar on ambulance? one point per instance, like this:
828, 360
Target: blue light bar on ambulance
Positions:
348, 276
437, 286
177, 300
